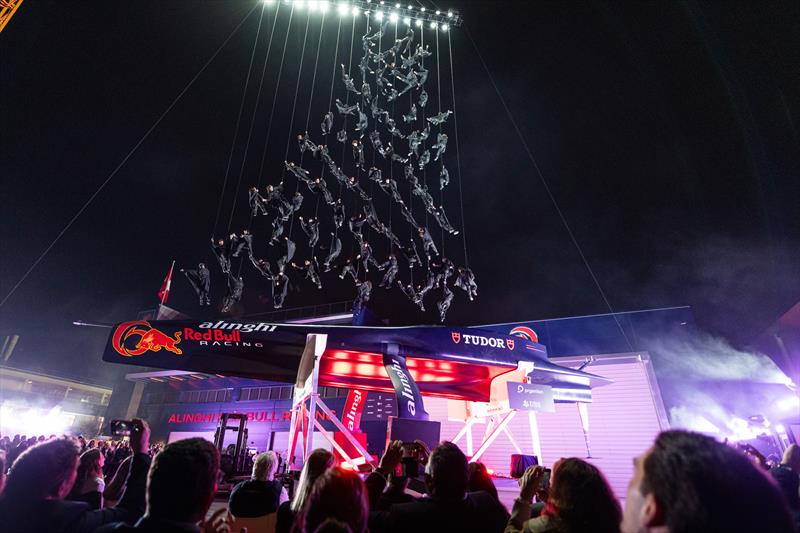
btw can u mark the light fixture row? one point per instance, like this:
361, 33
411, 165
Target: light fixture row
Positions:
394, 12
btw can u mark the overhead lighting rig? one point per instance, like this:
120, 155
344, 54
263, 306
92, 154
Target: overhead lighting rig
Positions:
394, 12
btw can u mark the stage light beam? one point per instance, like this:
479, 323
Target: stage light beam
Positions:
393, 18
343, 9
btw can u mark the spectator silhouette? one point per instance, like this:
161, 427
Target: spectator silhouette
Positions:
89, 483
180, 488
579, 500
337, 502
787, 478
318, 462
448, 506
44, 474
260, 495
687, 482
480, 480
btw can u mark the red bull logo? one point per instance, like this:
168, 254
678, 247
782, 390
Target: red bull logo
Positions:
456, 336
150, 339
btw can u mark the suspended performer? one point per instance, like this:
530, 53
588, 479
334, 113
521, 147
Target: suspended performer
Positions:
234, 295
333, 253
412, 116
366, 256
366, 92
348, 270
444, 304
338, 213
319, 185
440, 118
221, 252
277, 230
341, 135
440, 146
354, 225
441, 218
391, 267
305, 143
406, 212
423, 98
424, 159
310, 268
358, 153
428, 246
411, 254
311, 228
287, 253
444, 178
242, 242
297, 202
375, 139
298, 172
349, 84
412, 295
364, 291
257, 202
389, 186
375, 175
263, 267
353, 185
347, 109
200, 280
280, 286
327, 123
371, 216
363, 123
391, 126
466, 282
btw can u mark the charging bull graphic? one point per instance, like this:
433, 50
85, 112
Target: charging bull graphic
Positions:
150, 339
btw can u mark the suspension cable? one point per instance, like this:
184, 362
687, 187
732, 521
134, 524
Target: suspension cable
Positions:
439, 103
125, 159
238, 122
458, 154
249, 132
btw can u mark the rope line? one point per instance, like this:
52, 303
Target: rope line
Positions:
458, 154
124, 160
439, 103
250, 129
548, 191
275, 97
238, 122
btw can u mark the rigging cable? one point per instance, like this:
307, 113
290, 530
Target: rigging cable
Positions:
125, 159
238, 122
458, 154
549, 192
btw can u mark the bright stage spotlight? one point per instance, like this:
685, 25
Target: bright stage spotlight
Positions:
269, 2
450, 14
324, 6
343, 9
313, 5
433, 25
299, 4
445, 27
355, 11
418, 23
438, 12
422, 9
407, 21
379, 15
393, 18
397, 5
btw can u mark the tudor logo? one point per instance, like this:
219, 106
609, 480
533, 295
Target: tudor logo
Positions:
456, 336
510, 343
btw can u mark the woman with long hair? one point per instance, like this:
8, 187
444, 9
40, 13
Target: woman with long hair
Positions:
89, 484
580, 500
318, 462
337, 502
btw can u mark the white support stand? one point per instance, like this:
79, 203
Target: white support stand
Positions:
305, 402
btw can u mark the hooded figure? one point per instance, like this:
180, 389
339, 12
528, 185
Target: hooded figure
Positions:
201, 282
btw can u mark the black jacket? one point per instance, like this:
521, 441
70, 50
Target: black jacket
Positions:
60, 516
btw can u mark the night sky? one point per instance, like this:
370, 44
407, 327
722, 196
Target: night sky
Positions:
668, 133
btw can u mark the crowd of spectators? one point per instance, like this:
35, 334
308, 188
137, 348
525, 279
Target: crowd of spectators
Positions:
685, 482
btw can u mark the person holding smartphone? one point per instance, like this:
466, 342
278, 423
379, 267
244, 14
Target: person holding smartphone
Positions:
579, 499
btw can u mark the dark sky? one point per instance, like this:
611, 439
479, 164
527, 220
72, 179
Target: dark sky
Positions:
667, 132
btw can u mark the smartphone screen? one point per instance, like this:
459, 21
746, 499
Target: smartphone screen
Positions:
121, 428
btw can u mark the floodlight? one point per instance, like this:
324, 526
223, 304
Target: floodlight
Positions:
324, 5
407, 21
433, 25
397, 5
343, 9
438, 12
393, 18
299, 4
422, 9
450, 14
445, 27
355, 11
269, 2
313, 5
379, 15
418, 23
